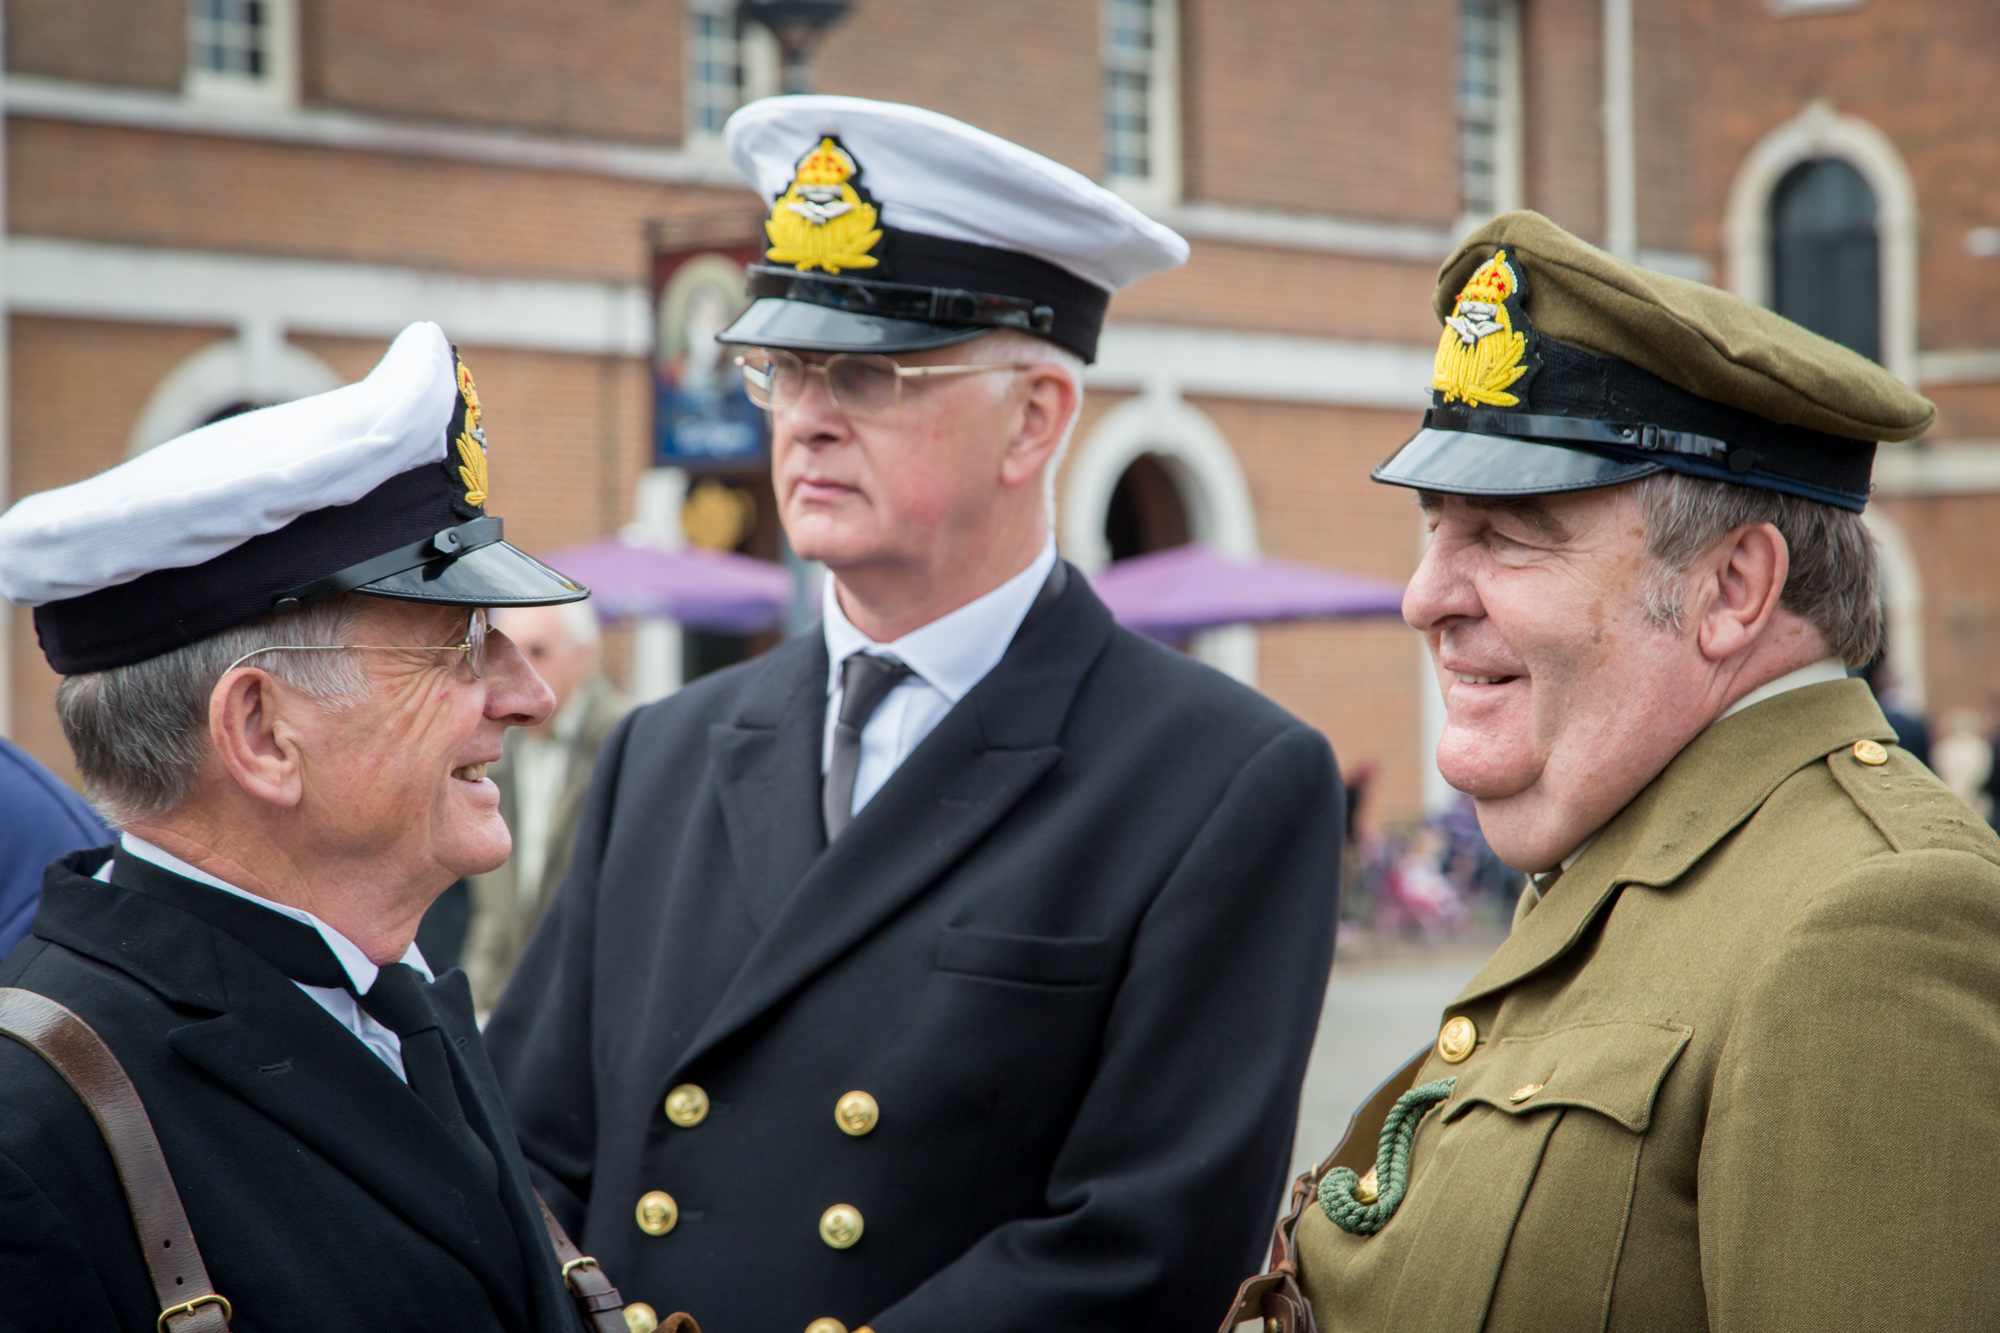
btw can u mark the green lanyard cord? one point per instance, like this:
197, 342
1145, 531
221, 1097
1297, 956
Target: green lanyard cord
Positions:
1369, 1213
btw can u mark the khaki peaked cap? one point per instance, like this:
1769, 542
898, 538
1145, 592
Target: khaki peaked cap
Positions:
1696, 337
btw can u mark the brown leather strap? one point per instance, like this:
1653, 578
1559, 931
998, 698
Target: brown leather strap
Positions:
597, 1301
1274, 1294
188, 1303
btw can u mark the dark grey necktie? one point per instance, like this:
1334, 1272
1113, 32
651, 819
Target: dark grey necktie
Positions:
398, 1003
865, 681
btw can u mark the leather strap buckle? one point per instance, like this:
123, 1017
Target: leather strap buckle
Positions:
189, 1307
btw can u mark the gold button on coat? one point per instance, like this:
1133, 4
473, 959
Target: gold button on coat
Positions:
1870, 753
840, 1226
657, 1212
827, 1325
856, 1113
687, 1105
1457, 1039
641, 1317
1521, 1094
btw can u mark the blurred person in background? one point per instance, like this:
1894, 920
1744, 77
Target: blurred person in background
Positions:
542, 778
1733, 1068
279, 684
953, 966
40, 819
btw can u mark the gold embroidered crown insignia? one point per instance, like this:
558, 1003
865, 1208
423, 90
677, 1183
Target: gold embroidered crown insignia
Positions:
1481, 355
824, 219
468, 439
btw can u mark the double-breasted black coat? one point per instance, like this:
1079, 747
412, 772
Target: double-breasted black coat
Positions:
1074, 949
322, 1193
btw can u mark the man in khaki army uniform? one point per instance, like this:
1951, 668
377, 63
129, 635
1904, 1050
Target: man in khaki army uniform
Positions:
1738, 1064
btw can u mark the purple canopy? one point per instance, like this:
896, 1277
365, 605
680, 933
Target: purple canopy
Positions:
707, 590
1174, 593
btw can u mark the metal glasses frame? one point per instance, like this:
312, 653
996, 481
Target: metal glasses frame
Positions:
474, 647
761, 395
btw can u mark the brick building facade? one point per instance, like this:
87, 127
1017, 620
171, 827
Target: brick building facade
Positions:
208, 205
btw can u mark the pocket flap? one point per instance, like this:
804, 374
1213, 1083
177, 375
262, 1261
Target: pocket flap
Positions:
1613, 1068
1039, 959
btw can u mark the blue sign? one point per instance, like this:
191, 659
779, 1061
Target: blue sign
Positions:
701, 414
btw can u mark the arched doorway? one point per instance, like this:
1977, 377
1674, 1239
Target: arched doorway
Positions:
1147, 512
1826, 254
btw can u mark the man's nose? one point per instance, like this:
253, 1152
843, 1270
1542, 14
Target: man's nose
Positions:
515, 692
1442, 589
814, 418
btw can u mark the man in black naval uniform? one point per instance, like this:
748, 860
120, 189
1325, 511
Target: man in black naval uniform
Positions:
953, 966
293, 789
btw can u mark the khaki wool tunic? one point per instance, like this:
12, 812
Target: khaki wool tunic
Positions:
1763, 1012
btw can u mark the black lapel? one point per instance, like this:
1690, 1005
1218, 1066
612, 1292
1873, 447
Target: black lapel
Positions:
985, 755
767, 775
277, 1050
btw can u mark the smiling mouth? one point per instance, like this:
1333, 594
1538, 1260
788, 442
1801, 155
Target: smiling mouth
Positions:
470, 773
1466, 678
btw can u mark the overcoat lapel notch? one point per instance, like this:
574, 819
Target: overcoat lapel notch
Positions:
1716, 783
979, 762
767, 776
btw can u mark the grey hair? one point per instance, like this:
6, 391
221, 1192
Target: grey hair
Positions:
140, 732
1014, 345
1834, 584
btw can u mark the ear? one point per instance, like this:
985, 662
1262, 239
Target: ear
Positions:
1049, 403
1746, 579
257, 745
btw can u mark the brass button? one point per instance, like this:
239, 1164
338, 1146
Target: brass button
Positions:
1871, 753
640, 1317
1366, 1190
687, 1105
856, 1113
1457, 1039
840, 1226
657, 1212
826, 1325
1525, 1091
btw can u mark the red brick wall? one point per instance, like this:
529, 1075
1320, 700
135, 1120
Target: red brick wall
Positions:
132, 43
1562, 93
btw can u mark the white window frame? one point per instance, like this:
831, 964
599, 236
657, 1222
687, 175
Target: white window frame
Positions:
1160, 185
756, 59
278, 85
1506, 117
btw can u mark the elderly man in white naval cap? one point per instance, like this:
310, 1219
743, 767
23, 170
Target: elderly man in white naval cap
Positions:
280, 688
954, 965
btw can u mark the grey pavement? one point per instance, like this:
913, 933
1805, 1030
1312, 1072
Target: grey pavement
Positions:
1379, 1012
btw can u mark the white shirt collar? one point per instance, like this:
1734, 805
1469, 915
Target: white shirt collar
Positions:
1819, 673
954, 652
353, 961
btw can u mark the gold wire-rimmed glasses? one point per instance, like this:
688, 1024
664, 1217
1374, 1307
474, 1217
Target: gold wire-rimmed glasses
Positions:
474, 646
859, 382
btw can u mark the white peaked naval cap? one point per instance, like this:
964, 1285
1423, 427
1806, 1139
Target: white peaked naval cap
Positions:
908, 201
269, 510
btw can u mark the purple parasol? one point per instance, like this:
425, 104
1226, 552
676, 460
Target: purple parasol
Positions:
1174, 593
707, 590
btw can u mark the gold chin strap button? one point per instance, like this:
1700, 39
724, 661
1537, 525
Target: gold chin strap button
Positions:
687, 1105
856, 1113
826, 1325
840, 1226
657, 1212
641, 1317
1521, 1094
1457, 1039
1871, 753
1366, 1189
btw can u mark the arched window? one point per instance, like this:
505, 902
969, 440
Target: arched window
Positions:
1826, 270
1146, 512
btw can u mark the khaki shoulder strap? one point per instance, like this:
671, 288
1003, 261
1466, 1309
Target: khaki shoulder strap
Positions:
1274, 1295
188, 1302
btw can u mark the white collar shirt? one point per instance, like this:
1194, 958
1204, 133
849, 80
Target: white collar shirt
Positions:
947, 658
336, 1000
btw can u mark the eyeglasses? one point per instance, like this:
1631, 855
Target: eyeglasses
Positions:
474, 646
860, 382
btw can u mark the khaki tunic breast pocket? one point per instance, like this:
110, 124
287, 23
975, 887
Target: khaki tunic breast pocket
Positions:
1521, 1214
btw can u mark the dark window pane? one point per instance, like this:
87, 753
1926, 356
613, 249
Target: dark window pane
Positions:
1825, 254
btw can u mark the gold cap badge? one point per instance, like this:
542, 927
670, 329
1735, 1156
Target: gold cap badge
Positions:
1481, 355
467, 456
824, 219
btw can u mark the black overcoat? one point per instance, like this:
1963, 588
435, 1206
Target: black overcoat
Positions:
1075, 948
322, 1193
